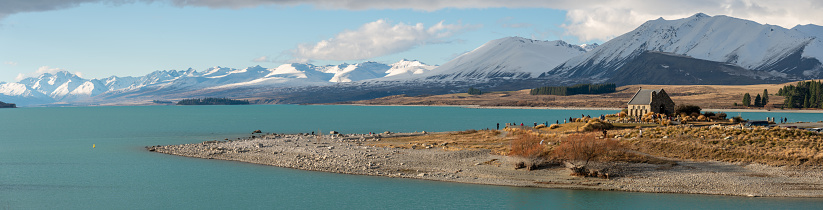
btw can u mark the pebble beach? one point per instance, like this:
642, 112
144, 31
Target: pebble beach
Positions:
350, 154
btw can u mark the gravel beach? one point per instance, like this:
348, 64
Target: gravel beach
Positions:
349, 154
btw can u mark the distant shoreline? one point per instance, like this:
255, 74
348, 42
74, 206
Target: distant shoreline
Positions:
486, 107
586, 108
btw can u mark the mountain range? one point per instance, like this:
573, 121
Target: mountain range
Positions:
700, 49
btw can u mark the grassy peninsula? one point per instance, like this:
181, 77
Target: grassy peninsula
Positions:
212, 101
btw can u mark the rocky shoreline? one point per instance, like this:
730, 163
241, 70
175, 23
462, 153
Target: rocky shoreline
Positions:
350, 154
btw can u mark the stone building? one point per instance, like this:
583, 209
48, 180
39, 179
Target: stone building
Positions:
651, 100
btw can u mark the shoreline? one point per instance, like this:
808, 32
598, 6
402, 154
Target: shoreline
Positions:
350, 154
486, 107
583, 108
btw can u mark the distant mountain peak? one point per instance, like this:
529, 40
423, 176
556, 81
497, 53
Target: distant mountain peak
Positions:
772, 52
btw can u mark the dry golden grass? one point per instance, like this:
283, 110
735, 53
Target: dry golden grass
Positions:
776, 147
460, 140
705, 96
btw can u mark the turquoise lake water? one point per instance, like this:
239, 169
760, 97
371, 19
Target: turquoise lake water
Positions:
47, 162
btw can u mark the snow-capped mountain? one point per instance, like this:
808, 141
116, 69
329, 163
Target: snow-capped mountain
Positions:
768, 52
700, 49
405, 68
589, 47
356, 72
66, 87
507, 58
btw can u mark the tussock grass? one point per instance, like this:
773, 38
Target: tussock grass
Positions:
452, 141
775, 146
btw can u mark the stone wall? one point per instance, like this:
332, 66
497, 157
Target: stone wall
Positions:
661, 103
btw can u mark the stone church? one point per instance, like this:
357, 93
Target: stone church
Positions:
651, 100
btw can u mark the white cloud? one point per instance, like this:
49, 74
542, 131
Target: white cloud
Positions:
377, 39
44, 70
585, 19
10, 63
47, 69
262, 59
604, 20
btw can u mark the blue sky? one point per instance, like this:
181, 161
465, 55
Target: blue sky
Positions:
101, 38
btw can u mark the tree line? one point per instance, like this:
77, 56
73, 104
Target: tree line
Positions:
7, 105
212, 101
759, 101
474, 91
575, 89
806, 94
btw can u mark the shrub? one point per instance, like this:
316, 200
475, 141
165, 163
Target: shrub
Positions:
539, 126
721, 115
687, 109
528, 147
596, 124
553, 126
577, 150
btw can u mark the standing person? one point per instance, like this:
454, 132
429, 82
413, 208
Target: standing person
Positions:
498, 126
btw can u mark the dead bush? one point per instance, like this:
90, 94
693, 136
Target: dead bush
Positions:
527, 146
578, 150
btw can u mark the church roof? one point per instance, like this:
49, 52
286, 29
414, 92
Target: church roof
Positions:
643, 96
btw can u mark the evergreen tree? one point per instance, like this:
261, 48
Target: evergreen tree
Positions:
765, 97
757, 102
806, 102
747, 99
474, 91
788, 102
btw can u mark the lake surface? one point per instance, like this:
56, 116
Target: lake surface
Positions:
47, 162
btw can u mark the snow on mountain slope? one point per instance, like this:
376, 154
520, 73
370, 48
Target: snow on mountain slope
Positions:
299, 71
54, 85
815, 48
511, 57
357, 72
405, 68
589, 47
740, 42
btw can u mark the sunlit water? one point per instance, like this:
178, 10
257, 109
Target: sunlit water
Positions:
47, 162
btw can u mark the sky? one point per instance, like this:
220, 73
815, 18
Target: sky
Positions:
102, 38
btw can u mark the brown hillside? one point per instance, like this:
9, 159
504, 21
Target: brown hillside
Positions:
705, 96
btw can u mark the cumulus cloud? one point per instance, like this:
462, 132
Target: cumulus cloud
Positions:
47, 69
585, 19
605, 20
376, 39
44, 70
20, 76
262, 59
